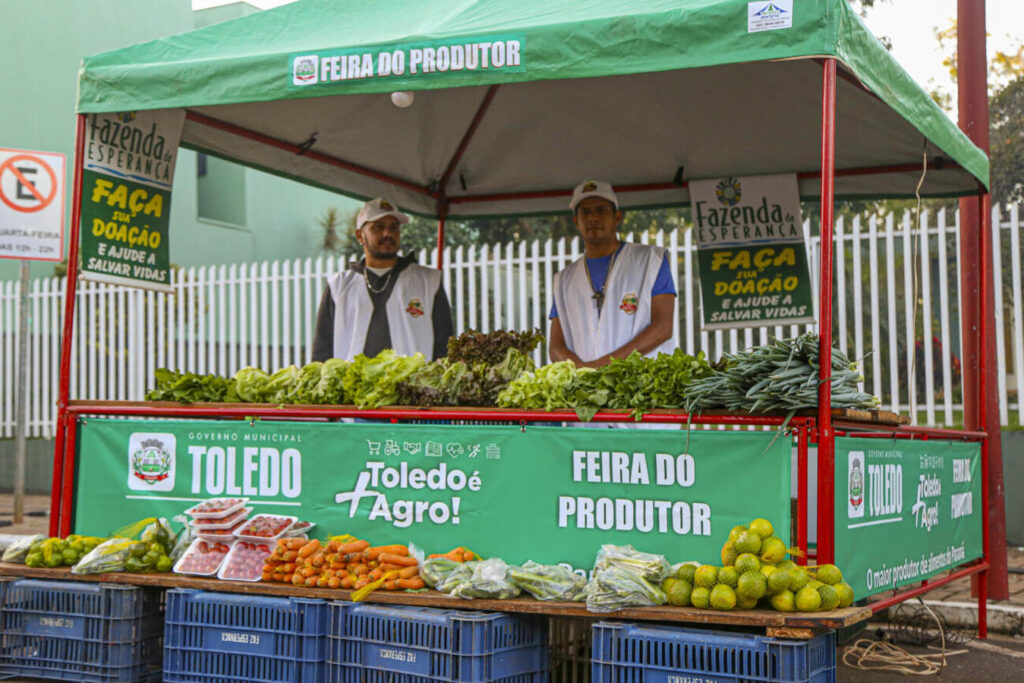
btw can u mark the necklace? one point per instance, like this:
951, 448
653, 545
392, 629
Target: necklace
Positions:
599, 293
383, 288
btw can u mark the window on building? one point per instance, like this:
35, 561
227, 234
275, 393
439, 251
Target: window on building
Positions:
220, 190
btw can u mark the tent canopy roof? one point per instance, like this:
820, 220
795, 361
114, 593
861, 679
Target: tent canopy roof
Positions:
643, 93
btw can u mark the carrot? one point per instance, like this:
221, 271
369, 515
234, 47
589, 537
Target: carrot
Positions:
409, 584
353, 547
387, 566
408, 572
360, 583
288, 567
309, 548
354, 557
321, 582
469, 556
359, 569
341, 573
375, 574
295, 543
390, 585
311, 581
347, 581
267, 576
307, 572
287, 578
298, 579
338, 565
372, 553
334, 582
290, 556
318, 560
397, 559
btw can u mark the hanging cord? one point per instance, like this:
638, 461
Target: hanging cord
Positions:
915, 251
877, 655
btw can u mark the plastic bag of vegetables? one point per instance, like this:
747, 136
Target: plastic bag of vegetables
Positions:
183, 540
547, 582
109, 556
19, 549
614, 588
649, 566
488, 580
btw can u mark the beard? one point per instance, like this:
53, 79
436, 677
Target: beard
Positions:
387, 250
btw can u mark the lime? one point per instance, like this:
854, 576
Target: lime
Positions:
666, 585
829, 573
784, 602
164, 564
700, 597
786, 564
808, 599
773, 550
829, 597
735, 532
814, 583
746, 604
845, 591
728, 554
747, 542
729, 576
706, 576
762, 527
778, 581
722, 597
751, 586
137, 549
797, 578
679, 593
686, 572
747, 562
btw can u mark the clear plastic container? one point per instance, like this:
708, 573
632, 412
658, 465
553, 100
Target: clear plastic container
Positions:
265, 527
216, 508
245, 561
206, 524
222, 535
203, 558
299, 530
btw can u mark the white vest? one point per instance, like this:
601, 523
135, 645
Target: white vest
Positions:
409, 310
627, 303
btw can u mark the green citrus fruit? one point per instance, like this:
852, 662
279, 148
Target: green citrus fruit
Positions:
808, 599
722, 597
786, 564
829, 573
747, 562
686, 572
735, 532
679, 593
729, 576
748, 542
751, 586
845, 593
666, 585
706, 576
728, 554
778, 581
746, 604
773, 550
762, 527
798, 578
784, 602
829, 597
700, 597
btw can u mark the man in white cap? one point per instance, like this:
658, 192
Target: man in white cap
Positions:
618, 298
383, 301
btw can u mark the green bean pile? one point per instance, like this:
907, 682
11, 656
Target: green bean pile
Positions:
781, 376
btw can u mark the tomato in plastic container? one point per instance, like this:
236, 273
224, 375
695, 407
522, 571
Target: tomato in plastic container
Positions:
299, 530
265, 527
231, 520
216, 508
203, 558
219, 534
245, 561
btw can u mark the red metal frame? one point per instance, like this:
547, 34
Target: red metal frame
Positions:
820, 429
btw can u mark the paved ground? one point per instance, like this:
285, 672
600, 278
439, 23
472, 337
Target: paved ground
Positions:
37, 515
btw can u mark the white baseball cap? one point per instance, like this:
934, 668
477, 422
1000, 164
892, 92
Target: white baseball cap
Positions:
593, 188
378, 208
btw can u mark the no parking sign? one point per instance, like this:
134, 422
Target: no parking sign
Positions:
31, 205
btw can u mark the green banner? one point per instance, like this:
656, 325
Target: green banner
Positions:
905, 510
751, 252
126, 197
550, 494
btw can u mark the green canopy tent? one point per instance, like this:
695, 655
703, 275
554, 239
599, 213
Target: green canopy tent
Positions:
514, 102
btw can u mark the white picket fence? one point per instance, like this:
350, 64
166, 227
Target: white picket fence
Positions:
222, 318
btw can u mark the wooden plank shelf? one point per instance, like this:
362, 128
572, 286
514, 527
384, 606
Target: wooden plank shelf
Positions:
795, 624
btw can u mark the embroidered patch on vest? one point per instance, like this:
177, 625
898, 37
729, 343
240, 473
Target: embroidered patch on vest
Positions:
415, 308
628, 305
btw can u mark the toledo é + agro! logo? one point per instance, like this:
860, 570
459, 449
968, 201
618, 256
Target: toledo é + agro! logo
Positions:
151, 461
385, 205
589, 187
304, 70
855, 485
415, 308
126, 116
629, 302
729, 191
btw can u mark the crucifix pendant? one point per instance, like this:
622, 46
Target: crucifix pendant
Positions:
599, 298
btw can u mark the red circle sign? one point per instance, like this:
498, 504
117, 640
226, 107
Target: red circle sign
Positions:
8, 166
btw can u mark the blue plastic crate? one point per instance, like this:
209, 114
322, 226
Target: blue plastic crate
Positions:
76, 631
373, 642
231, 636
624, 653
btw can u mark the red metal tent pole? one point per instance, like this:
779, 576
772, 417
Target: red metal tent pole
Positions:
826, 437
64, 382
442, 215
981, 399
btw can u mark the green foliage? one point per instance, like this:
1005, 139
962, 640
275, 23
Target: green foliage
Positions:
491, 347
373, 382
1006, 114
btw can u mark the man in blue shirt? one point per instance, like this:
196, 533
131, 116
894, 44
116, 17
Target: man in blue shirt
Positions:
618, 298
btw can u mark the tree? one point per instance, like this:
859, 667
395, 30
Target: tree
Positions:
1006, 140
